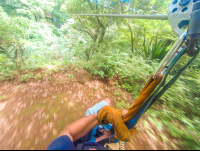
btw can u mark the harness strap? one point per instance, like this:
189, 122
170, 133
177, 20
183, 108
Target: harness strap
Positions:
173, 80
153, 98
144, 95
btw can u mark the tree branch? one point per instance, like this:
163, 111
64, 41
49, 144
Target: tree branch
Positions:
84, 31
110, 8
85, 26
122, 9
101, 24
1, 47
6, 42
97, 32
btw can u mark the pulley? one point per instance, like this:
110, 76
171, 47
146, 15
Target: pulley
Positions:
179, 13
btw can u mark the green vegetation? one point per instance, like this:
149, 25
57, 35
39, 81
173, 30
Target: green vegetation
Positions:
122, 105
90, 95
38, 76
48, 78
128, 50
95, 88
2, 98
70, 76
116, 93
27, 76
157, 51
58, 81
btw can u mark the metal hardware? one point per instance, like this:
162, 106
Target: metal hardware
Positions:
154, 17
194, 29
171, 53
179, 12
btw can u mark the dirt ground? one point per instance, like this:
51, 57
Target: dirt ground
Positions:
32, 114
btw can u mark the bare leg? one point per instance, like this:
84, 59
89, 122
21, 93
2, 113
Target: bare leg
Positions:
108, 101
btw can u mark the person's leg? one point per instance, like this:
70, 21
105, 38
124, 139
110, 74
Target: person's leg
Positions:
97, 107
108, 101
90, 111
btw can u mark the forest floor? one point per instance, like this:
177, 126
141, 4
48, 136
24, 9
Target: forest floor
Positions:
32, 114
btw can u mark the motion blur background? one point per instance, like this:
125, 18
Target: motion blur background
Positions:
54, 66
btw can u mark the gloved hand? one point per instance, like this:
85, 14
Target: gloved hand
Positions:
113, 116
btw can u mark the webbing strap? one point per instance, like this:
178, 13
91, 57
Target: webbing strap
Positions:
133, 121
173, 80
172, 64
144, 95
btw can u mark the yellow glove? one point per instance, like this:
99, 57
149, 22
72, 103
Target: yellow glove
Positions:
113, 116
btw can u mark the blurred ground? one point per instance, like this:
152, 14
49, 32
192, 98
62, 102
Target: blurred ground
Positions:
32, 114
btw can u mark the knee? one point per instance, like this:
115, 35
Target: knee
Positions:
108, 101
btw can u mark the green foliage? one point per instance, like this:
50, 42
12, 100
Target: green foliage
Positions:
70, 76
27, 44
7, 66
12, 29
116, 93
28, 8
180, 112
157, 51
45, 49
58, 81
38, 76
122, 105
128, 87
48, 78
104, 66
115, 62
90, 95
57, 32
27, 76
2, 98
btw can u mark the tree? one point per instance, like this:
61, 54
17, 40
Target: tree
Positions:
95, 27
32, 9
11, 34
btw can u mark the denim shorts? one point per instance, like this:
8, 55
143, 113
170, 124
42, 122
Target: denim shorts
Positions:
95, 108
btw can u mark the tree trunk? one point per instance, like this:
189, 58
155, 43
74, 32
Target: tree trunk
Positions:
132, 39
18, 56
58, 23
1, 47
144, 44
103, 31
90, 50
121, 4
37, 18
96, 33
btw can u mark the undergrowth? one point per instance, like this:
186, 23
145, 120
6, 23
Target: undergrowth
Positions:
178, 110
131, 73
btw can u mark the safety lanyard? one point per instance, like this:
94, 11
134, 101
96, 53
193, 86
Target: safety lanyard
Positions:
157, 94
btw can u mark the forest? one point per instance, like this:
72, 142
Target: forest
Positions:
42, 35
